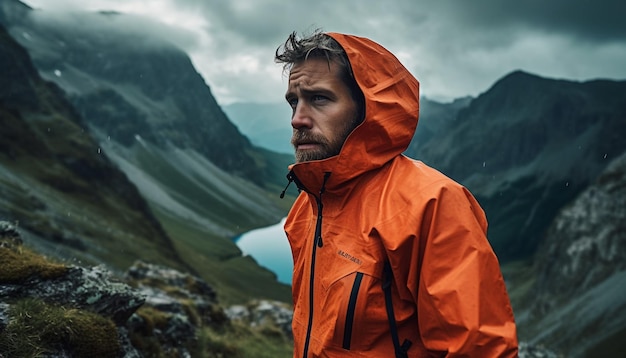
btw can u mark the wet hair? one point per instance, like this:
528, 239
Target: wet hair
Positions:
316, 45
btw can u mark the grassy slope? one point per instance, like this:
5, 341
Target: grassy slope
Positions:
218, 260
203, 208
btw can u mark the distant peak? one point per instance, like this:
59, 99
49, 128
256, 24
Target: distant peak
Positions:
519, 74
517, 81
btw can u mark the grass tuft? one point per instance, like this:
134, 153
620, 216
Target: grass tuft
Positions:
20, 264
36, 328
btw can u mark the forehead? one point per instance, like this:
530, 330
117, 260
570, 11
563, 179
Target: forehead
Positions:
313, 70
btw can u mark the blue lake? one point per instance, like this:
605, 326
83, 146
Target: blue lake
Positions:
270, 248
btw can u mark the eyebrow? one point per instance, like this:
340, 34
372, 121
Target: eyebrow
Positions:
310, 91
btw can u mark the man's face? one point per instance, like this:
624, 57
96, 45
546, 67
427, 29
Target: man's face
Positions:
323, 110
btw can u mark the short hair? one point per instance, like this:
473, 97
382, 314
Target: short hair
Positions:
316, 45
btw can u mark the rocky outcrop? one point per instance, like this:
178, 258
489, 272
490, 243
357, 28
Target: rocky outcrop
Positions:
54, 310
586, 243
176, 306
579, 295
263, 313
58, 310
93, 289
527, 350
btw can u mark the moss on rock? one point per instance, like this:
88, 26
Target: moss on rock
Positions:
36, 328
19, 264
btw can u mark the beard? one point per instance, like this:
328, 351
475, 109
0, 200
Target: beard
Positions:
327, 147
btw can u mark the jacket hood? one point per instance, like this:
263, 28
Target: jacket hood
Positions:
391, 114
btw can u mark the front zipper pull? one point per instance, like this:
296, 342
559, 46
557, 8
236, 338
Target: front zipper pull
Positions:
320, 206
290, 178
282, 194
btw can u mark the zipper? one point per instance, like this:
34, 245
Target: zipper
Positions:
317, 242
291, 177
354, 294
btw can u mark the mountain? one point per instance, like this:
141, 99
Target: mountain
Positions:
143, 107
435, 117
526, 147
53, 180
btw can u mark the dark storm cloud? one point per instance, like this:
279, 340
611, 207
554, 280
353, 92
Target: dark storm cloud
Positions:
601, 21
267, 21
454, 47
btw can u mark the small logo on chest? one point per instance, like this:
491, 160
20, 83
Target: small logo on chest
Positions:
349, 257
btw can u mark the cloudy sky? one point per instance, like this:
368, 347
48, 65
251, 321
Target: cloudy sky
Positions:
454, 47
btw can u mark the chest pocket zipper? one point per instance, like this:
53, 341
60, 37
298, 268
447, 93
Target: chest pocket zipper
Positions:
354, 294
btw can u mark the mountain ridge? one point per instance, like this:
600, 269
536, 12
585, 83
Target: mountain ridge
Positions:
520, 150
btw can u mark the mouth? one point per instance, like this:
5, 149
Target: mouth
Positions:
306, 141
306, 145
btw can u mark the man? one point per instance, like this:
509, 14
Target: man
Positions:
390, 256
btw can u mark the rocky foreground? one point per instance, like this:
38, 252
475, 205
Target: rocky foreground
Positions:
50, 309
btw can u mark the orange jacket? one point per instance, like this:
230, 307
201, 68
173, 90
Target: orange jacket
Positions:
370, 204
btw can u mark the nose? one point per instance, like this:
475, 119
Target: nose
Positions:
301, 117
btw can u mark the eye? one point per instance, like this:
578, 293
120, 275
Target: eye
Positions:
293, 102
318, 98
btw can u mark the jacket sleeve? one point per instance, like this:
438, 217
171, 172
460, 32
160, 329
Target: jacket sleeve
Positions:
462, 302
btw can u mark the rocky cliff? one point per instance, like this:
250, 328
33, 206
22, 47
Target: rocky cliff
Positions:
580, 273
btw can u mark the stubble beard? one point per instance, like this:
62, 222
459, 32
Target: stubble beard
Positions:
327, 148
